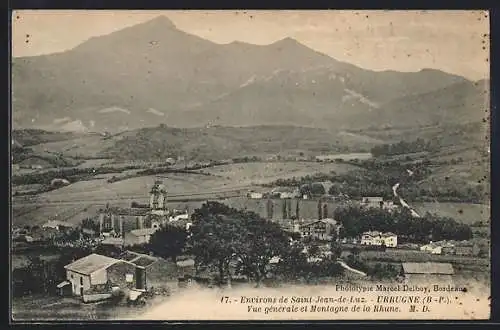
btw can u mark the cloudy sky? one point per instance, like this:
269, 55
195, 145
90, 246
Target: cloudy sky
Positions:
453, 41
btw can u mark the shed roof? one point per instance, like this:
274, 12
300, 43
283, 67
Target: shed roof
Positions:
91, 263
428, 268
138, 259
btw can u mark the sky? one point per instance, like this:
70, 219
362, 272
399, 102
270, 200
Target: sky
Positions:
453, 41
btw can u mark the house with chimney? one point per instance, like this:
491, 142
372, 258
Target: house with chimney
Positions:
322, 229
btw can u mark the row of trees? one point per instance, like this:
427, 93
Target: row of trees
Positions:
404, 147
355, 221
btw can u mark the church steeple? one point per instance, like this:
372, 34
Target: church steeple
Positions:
158, 198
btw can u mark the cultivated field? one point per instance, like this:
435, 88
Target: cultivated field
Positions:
261, 172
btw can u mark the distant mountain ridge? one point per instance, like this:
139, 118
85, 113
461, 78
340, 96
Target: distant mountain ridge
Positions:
154, 73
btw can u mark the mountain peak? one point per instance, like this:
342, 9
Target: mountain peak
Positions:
161, 21
286, 41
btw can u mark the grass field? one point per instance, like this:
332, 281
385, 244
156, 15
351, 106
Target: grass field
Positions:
86, 146
399, 255
467, 213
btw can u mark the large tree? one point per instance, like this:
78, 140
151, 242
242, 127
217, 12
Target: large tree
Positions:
214, 238
169, 241
262, 241
221, 235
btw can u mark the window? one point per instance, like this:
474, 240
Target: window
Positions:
129, 278
72, 276
81, 280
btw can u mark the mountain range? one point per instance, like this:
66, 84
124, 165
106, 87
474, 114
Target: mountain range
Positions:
153, 73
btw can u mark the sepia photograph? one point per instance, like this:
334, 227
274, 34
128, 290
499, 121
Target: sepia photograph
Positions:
177, 165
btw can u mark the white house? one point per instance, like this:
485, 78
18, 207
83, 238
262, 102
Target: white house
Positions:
183, 216
436, 247
255, 195
378, 239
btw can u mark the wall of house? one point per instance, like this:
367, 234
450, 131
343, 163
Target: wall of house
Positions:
117, 275
78, 281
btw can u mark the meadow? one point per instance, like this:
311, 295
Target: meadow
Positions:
467, 213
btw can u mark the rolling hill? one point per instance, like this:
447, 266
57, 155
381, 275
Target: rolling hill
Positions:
154, 73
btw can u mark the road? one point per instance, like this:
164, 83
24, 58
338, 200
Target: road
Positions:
347, 267
403, 202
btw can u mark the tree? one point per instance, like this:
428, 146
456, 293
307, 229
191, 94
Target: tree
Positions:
293, 263
221, 235
264, 240
169, 241
335, 247
215, 236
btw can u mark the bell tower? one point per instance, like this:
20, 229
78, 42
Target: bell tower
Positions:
158, 198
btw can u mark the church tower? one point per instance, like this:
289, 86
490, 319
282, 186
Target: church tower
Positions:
158, 199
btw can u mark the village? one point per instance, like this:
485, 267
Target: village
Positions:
119, 263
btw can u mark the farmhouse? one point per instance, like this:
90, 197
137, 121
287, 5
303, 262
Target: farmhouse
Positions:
322, 229
98, 274
255, 195
428, 272
378, 239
